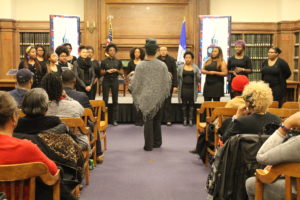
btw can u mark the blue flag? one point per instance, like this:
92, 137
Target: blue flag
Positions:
182, 44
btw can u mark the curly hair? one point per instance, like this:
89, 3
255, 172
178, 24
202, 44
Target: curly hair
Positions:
188, 53
8, 107
52, 83
62, 49
142, 52
111, 45
259, 95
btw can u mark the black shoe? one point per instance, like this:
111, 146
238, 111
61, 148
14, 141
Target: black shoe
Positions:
193, 151
147, 149
115, 123
156, 146
169, 123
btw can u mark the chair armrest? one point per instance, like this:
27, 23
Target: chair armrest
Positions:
50, 179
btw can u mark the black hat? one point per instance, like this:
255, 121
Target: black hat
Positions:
151, 43
24, 75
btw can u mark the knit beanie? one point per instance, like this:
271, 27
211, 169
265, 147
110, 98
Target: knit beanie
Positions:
239, 82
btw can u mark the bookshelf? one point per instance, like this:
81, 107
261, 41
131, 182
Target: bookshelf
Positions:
296, 58
257, 46
33, 39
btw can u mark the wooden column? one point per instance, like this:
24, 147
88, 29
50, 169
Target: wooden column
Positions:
7, 47
91, 18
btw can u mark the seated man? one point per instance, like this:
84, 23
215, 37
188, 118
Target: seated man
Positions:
24, 81
252, 117
69, 81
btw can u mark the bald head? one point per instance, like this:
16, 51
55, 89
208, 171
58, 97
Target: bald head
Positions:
163, 51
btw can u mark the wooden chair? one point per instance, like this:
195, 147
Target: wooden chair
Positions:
99, 107
218, 114
76, 125
288, 170
207, 107
290, 105
14, 177
282, 113
21, 113
274, 104
88, 116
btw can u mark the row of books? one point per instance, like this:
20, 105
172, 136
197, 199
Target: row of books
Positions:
258, 39
30, 38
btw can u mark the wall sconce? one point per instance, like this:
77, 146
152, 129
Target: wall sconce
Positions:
91, 26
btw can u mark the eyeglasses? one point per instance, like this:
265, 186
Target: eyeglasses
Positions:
271, 52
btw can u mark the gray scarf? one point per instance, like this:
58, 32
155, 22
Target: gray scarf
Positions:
150, 86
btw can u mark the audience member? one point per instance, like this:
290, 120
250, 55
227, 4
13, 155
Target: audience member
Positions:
279, 148
24, 83
237, 86
69, 81
14, 150
252, 117
51, 136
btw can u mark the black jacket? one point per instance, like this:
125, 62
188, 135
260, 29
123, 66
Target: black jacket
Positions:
172, 67
85, 74
253, 123
81, 97
234, 163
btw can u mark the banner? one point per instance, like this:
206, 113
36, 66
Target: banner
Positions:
65, 29
182, 44
214, 31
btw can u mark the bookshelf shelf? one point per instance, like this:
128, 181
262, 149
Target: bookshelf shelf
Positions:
295, 72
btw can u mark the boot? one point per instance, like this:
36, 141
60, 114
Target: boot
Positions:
184, 115
191, 112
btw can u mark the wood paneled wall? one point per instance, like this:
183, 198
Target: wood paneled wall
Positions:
136, 20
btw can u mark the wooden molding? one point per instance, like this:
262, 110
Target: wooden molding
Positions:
147, 1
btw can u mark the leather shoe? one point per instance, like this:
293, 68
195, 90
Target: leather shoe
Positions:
115, 123
193, 151
147, 149
100, 159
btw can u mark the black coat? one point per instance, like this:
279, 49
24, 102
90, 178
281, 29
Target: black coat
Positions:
172, 67
234, 163
253, 123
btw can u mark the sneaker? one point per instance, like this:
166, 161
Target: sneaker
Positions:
169, 123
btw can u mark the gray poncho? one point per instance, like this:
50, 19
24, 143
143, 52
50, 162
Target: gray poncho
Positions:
150, 86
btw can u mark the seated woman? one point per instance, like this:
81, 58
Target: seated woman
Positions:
14, 150
52, 137
252, 117
276, 150
61, 105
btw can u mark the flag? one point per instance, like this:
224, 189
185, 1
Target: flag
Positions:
182, 44
109, 37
